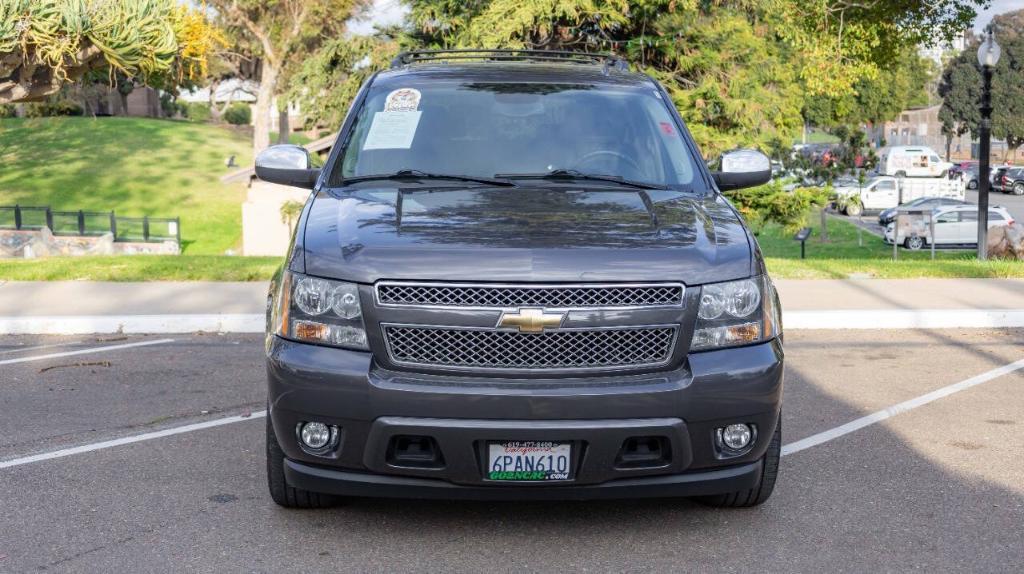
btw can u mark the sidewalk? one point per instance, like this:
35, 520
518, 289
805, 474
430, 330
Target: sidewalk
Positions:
167, 307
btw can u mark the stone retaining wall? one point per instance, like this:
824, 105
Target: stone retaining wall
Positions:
29, 244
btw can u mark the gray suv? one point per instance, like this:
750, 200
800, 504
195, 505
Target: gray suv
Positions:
516, 278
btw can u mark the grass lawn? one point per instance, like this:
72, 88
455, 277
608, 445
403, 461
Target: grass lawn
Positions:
843, 257
141, 268
135, 166
295, 138
817, 136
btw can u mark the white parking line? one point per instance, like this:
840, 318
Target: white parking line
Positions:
904, 319
896, 409
130, 439
37, 347
151, 324
84, 351
803, 444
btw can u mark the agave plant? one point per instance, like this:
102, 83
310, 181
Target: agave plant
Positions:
45, 44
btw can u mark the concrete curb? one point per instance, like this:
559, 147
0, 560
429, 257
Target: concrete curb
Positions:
254, 322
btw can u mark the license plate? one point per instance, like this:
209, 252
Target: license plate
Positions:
529, 461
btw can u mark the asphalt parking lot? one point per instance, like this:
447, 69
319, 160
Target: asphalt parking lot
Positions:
1013, 203
933, 484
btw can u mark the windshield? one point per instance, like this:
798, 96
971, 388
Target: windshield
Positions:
484, 129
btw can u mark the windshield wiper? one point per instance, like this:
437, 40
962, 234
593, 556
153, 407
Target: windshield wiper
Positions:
572, 174
418, 174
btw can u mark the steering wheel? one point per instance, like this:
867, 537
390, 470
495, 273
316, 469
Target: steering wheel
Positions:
587, 158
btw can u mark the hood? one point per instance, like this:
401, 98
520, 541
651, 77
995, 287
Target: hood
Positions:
524, 234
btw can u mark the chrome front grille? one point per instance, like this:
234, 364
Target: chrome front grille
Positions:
484, 296
453, 347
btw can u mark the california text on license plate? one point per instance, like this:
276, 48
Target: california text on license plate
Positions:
529, 460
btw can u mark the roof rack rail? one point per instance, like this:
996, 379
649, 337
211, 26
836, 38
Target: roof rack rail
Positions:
525, 55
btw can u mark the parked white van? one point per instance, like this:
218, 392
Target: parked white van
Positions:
912, 161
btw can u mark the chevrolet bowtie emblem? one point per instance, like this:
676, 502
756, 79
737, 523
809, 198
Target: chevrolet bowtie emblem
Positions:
531, 320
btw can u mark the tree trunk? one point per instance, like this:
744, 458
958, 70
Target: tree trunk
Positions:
264, 99
949, 144
124, 103
283, 127
215, 111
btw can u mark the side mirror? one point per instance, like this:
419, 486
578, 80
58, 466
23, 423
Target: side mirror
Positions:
742, 168
286, 165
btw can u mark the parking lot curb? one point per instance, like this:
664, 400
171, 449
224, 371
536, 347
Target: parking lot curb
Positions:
255, 322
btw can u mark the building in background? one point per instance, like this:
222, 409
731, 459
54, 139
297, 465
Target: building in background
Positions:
940, 49
235, 90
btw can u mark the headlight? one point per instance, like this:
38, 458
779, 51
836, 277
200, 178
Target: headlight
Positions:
736, 313
321, 311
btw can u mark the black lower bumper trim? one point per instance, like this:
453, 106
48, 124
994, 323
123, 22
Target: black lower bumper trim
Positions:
345, 483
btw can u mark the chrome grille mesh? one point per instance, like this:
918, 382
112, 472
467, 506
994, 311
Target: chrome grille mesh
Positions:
550, 296
563, 349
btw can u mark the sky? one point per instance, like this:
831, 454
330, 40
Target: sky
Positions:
997, 7
384, 13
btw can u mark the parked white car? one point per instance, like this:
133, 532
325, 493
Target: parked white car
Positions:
912, 161
954, 225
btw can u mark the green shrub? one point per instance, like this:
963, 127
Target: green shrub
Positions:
771, 204
53, 108
238, 114
198, 112
171, 107
7, 111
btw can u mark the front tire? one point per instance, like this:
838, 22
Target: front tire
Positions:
283, 494
914, 243
973, 184
1018, 188
760, 493
853, 209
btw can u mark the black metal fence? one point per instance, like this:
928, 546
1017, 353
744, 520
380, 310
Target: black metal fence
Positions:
91, 223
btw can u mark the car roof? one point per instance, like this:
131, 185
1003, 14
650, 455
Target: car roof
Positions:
968, 207
527, 72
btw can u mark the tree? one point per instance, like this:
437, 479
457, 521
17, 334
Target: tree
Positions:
45, 45
842, 42
960, 87
283, 33
875, 99
1008, 83
960, 90
730, 79
325, 85
739, 70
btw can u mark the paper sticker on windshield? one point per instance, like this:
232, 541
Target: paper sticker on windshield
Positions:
392, 130
667, 129
403, 100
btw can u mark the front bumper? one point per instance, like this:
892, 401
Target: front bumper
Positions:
347, 483
461, 414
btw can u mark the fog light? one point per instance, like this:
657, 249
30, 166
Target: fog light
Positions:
736, 436
315, 435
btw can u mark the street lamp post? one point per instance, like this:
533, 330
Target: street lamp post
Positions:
988, 57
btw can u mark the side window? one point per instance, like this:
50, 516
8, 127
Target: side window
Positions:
934, 159
948, 217
968, 216
885, 186
994, 216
